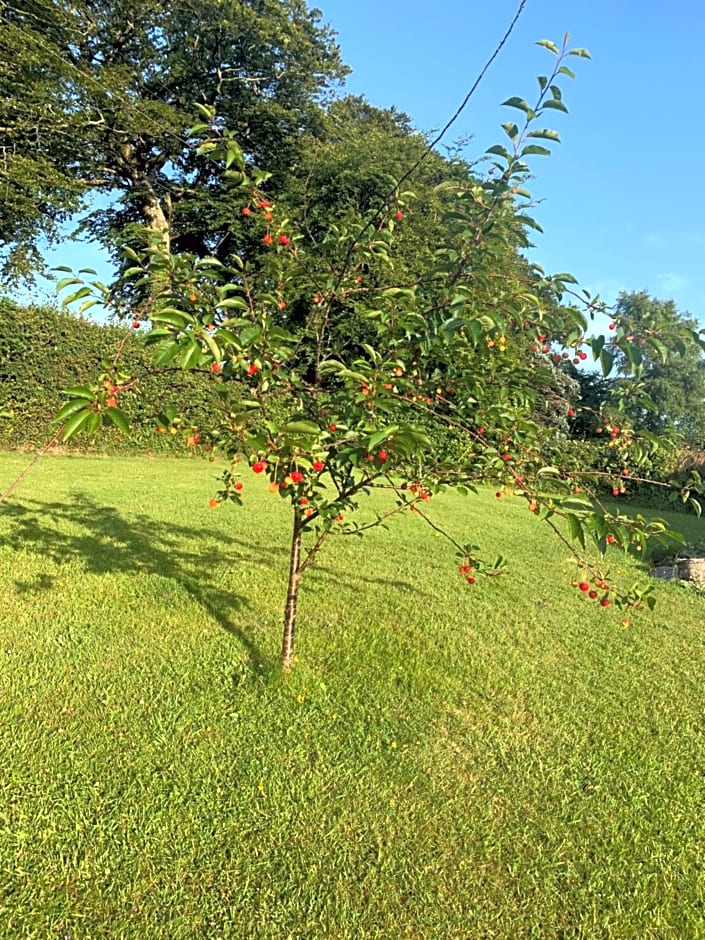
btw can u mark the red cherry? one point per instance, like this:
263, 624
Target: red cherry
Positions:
246, 210
584, 586
253, 368
382, 454
296, 476
136, 324
259, 466
302, 500
339, 517
498, 495
506, 457
612, 326
284, 240
268, 240
263, 204
610, 539
399, 216
592, 595
216, 368
615, 491
480, 431
605, 602
571, 413
213, 503
318, 465
470, 579
238, 486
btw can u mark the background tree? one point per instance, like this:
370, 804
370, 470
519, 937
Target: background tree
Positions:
96, 98
672, 370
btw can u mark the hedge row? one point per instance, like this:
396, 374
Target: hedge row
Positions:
44, 350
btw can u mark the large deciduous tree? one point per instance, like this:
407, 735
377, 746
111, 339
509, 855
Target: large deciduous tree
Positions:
96, 98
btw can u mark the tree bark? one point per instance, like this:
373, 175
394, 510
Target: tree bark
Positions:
292, 596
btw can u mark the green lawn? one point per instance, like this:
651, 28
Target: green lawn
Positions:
502, 761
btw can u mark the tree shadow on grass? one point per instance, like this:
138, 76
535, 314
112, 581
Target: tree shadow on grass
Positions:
104, 541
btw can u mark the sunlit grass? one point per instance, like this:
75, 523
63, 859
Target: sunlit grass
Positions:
498, 761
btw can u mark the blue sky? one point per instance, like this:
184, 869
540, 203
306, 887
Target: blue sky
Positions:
622, 204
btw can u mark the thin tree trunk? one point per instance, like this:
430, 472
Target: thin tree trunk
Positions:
292, 596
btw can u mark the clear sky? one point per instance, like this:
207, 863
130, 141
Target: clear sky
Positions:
623, 203
623, 206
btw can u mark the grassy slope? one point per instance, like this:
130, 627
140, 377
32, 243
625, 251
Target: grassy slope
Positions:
499, 761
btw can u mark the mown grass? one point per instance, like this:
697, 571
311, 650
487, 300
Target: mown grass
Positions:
503, 761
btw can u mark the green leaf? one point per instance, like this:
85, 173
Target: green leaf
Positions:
535, 150
119, 419
545, 133
659, 347
172, 318
576, 530
519, 104
78, 391
564, 70
606, 361
75, 423
93, 423
249, 334
380, 436
301, 427
70, 408
547, 44
190, 355
556, 105
499, 151
581, 53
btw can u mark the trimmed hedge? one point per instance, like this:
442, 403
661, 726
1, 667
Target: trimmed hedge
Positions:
44, 350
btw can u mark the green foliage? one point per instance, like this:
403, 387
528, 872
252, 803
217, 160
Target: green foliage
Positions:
48, 355
97, 98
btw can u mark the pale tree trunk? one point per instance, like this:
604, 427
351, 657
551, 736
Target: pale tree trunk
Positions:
292, 595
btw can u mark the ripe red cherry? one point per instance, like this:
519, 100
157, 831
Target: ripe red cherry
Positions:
136, 324
605, 602
571, 413
268, 240
480, 431
506, 457
470, 579
331, 428
615, 491
498, 495
216, 368
612, 326
584, 586
592, 595
399, 216
339, 517
318, 465
382, 454
253, 368
296, 476
610, 539
302, 500
259, 466
284, 240
213, 503
246, 210
238, 486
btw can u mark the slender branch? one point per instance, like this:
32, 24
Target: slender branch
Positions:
37, 457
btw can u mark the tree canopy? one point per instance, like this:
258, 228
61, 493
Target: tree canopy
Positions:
96, 97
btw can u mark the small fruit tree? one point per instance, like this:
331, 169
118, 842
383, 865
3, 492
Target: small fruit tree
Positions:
330, 419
